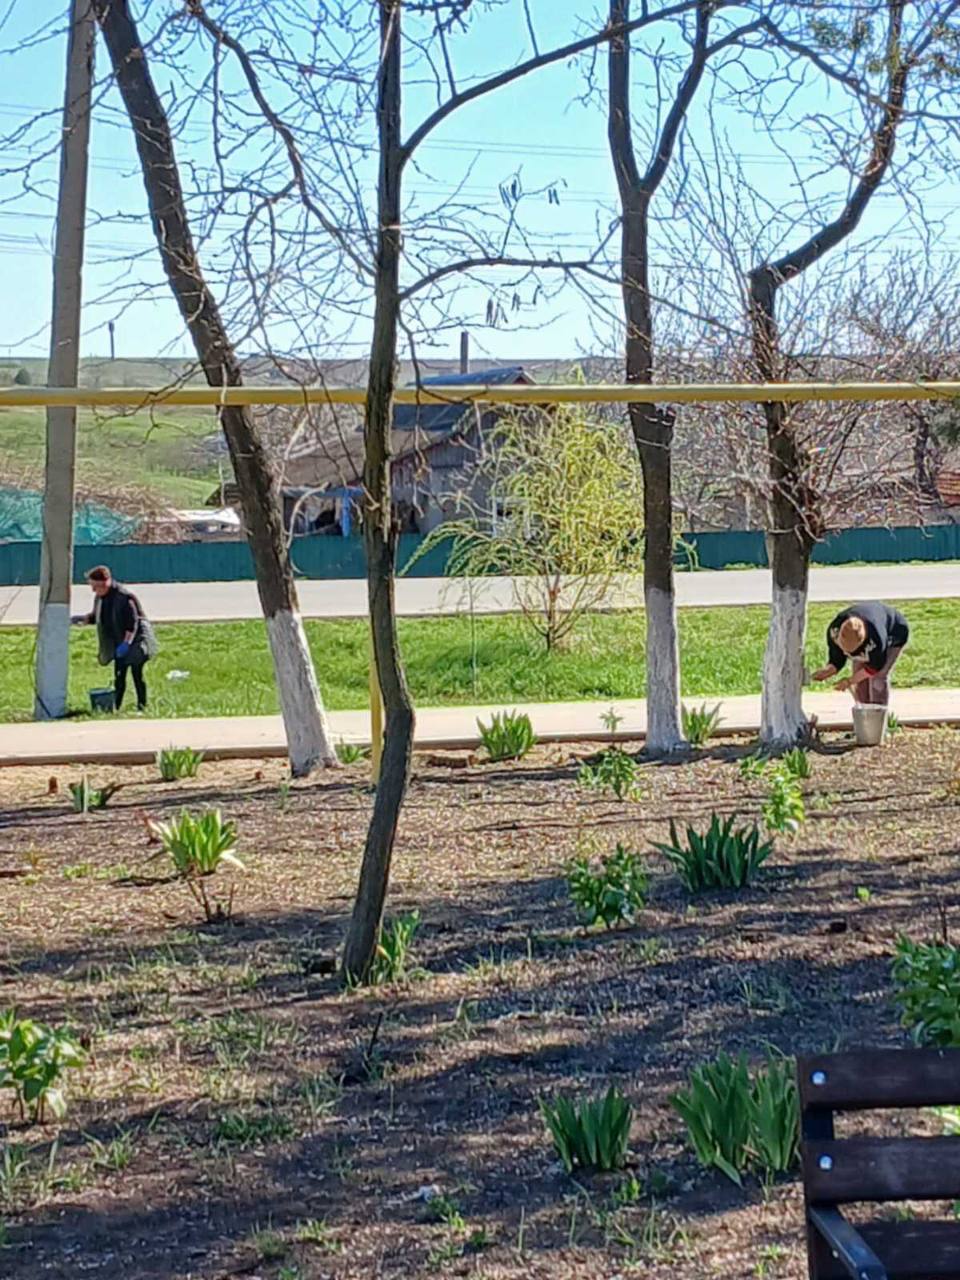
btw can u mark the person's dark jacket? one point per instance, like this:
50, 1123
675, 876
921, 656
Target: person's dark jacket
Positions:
116, 615
887, 629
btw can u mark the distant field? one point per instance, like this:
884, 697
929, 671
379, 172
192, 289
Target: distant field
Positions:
151, 454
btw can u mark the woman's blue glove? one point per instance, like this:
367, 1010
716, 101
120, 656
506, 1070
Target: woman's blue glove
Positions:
123, 649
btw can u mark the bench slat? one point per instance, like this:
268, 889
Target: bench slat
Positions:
909, 1250
852, 1169
883, 1079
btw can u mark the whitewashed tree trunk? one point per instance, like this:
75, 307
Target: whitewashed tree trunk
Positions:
664, 727
782, 720
309, 741
53, 658
308, 735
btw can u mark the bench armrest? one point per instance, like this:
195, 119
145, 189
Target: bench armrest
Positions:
848, 1245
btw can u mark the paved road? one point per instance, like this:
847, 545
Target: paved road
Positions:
137, 741
418, 597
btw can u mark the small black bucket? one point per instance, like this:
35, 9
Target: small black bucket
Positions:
102, 700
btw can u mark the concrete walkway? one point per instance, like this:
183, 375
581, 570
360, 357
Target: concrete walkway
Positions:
137, 741
420, 597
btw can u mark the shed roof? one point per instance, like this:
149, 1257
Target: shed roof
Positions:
446, 417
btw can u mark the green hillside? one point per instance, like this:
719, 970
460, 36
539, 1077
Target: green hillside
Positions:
156, 456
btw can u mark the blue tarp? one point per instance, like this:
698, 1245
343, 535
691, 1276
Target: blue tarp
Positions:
21, 520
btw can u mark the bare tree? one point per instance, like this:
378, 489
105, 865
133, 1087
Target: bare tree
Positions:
308, 735
395, 154
653, 424
791, 533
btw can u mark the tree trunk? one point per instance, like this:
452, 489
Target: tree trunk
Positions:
309, 742
790, 541
378, 532
653, 433
795, 513
652, 428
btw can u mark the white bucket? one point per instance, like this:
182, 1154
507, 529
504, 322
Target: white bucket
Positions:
869, 725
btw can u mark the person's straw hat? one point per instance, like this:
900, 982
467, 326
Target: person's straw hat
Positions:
853, 635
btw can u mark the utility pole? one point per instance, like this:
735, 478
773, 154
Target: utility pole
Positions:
56, 562
464, 351
113, 339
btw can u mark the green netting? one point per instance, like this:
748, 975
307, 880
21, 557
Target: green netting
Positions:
21, 520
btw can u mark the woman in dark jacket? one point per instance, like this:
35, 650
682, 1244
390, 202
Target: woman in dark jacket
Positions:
124, 634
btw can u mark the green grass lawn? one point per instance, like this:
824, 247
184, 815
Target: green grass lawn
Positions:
151, 453
448, 662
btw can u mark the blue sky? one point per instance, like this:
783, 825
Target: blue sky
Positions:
536, 128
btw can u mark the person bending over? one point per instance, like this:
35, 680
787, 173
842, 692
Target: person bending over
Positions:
872, 636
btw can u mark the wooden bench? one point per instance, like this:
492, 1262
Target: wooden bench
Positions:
844, 1171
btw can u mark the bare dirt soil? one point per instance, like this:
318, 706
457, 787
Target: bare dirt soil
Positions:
240, 1115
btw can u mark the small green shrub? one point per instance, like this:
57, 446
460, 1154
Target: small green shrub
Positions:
715, 1108
351, 752
793, 765
736, 1122
700, 723
16, 1173
926, 979
316, 1232
611, 890
393, 949
718, 858
447, 1210
198, 848
178, 762
509, 735
112, 1156
33, 1060
796, 764
590, 1135
86, 798
784, 811
775, 1117
613, 771
754, 765
252, 1127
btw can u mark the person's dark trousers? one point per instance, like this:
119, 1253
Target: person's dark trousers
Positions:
120, 668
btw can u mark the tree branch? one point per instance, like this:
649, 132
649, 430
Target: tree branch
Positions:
535, 63
619, 123
770, 276
492, 260
196, 10
854, 83
681, 103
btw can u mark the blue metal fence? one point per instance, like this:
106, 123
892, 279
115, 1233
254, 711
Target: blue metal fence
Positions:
845, 546
323, 557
